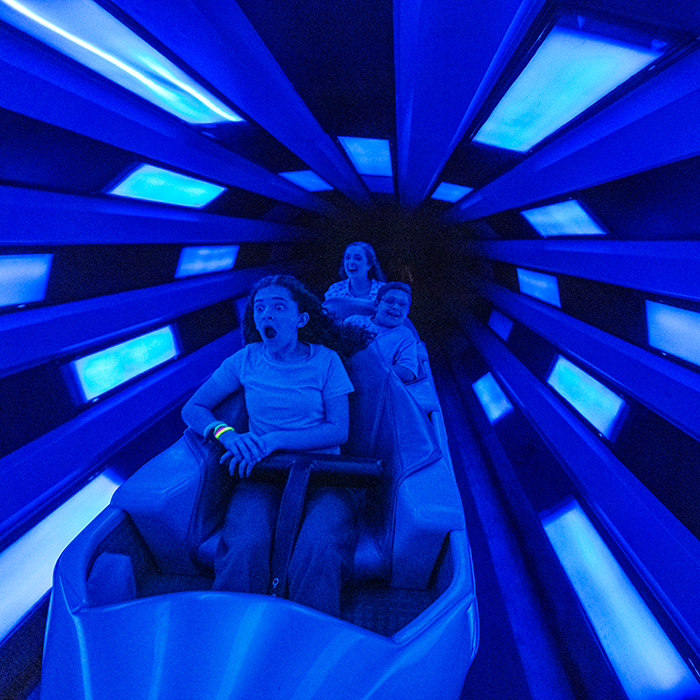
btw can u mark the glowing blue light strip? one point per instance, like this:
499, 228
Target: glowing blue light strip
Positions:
673, 330
308, 180
154, 184
26, 566
646, 662
569, 73
500, 324
449, 192
86, 32
369, 156
539, 285
23, 278
491, 397
201, 261
109, 368
562, 219
594, 401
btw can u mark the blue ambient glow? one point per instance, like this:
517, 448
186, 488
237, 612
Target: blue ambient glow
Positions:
538, 285
167, 187
594, 401
202, 261
109, 368
23, 278
646, 662
491, 397
562, 219
673, 330
569, 73
369, 156
87, 33
308, 180
448, 192
26, 566
500, 324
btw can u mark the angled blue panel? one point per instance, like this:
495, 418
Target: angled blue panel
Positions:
308, 180
23, 278
674, 330
570, 72
201, 261
500, 324
107, 369
600, 406
84, 31
369, 156
562, 219
643, 657
449, 192
491, 397
538, 285
154, 184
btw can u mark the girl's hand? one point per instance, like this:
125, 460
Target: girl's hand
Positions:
244, 450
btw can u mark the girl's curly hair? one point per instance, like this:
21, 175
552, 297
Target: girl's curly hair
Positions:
374, 272
321, 329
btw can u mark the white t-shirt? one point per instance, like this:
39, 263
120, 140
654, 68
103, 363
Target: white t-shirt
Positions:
342, 289
284, 395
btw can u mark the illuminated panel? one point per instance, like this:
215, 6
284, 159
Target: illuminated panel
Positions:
500, 324
538, 285
594, 401
646, 662
562, 219
23, 278
673, 330
308, 180
167, 187
569, 73
491, 397
448, 192
87, 33
201, 261
369, 156
109, 368
26, 566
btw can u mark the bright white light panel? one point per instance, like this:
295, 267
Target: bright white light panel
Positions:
500, 324
644, 658
23, 278
87, 33
369, 156
491, 397
569, 73
107, 369
673, 330
449, 192
539, 285
154, 184
195, 260
308, 180
562, 219
600, 406
26, 566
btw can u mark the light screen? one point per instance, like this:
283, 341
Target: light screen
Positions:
600, 406
673, 330
23, 278
201, 261
369, 156
109, 368
449, 192
562, 219
500, 324
569, 73
644, 658
491, 397
539, 285
308, 180
167, 187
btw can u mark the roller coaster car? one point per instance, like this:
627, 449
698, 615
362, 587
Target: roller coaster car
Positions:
132, 613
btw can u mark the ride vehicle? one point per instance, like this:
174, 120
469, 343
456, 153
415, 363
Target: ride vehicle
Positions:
132, 614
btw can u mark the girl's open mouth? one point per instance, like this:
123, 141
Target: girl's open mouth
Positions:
269, 332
